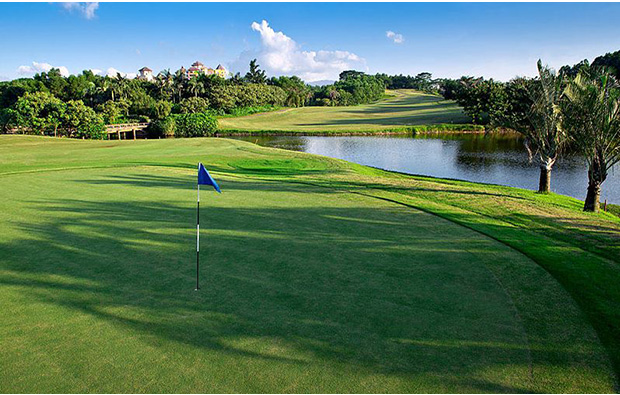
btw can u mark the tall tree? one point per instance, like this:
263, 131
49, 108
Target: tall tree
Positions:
179, 84
195, 87
592, 117
540, 124
255, 75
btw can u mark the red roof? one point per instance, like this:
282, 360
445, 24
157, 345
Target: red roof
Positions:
197, 63
145, 69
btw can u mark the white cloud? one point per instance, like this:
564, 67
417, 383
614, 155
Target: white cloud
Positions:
86, 9
281, 55
41, 67
96, 71
113, 73
397, 38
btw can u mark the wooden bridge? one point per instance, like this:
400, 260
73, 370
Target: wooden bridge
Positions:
129, 130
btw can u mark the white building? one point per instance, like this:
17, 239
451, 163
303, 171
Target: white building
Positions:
145, 74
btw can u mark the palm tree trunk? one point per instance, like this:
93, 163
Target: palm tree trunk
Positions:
593, 197
544, 183
595, 180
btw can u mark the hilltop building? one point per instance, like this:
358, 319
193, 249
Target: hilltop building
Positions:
199, 68
145, 74
221, 71
196, 69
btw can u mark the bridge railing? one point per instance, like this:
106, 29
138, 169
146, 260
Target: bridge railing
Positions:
126, 126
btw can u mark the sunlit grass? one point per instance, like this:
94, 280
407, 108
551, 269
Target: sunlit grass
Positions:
404, 110
318, 276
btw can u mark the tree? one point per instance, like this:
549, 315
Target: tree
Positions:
540, 123
255, 75
195, 87
193, 105
477, 97
297, 92
113, 111
611, 61
54, 81
195, 125
82, 121
179, 84
592, 118
164, 82
38, 112
161, 109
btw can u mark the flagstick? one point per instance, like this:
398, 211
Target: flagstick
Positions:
198, 240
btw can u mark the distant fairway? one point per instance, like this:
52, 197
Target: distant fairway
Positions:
319, 276
405, 108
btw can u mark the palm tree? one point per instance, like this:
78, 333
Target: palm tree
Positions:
103, 88
540, 123
195, 87
164, 83
179, 83
118, 86
592, 117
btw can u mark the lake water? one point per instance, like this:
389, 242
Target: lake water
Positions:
496, 159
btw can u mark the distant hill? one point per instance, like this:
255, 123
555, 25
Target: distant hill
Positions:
321, 82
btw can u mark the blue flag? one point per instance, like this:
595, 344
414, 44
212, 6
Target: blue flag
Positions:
204, 178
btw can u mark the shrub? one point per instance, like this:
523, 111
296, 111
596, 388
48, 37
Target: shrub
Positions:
165, 127
193, 105
82, 121
195, 125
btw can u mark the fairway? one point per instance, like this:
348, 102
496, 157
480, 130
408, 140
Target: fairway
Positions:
403, 108
318, 276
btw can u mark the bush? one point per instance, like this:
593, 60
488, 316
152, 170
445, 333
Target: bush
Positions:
82, 121
195, 125
162, 128
242, 111
193, 105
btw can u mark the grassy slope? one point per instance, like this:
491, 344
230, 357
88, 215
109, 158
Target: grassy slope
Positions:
319, 275
406, 109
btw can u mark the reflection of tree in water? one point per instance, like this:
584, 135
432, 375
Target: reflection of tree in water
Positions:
478, 152
293, 143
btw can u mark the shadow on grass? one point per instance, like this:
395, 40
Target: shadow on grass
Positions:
428, 117
368, 287
435, 103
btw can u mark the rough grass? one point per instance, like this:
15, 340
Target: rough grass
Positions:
319, 276
405, 111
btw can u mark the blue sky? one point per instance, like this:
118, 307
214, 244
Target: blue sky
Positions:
313, 40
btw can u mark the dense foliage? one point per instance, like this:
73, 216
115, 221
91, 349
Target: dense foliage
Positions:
352, 88
79, 105
194, 125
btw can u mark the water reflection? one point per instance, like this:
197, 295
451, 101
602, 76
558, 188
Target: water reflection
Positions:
497, 158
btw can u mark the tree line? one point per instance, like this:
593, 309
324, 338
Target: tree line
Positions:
577, 107
81, 105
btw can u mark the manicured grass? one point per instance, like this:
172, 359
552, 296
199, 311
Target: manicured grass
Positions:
404, 111
318, 276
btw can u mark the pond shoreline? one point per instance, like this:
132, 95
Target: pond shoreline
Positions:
404, 130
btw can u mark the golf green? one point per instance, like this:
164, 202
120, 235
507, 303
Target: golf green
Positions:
310, 283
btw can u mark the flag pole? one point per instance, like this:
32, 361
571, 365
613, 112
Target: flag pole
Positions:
198, 238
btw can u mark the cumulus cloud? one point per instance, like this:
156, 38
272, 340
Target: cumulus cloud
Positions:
86, 9
281, 55
112, 72
96, 71
397, 38
40, 68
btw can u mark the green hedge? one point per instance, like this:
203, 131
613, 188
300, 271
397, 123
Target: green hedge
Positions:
195, 125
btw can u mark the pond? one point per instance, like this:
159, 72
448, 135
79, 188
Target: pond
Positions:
494, 158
